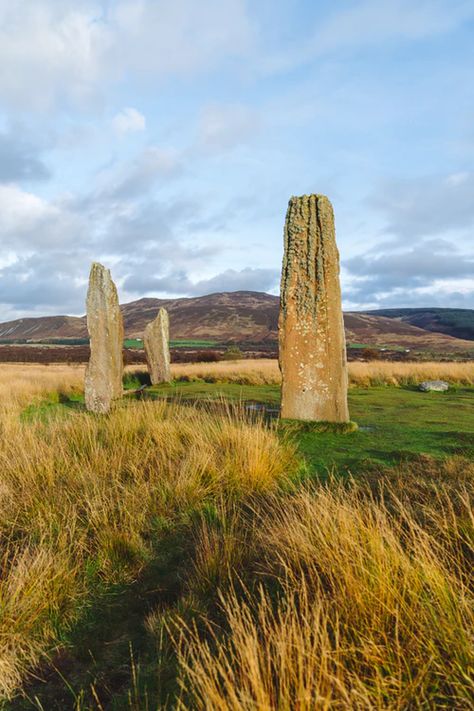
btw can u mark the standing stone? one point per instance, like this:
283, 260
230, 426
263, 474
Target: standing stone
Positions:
103, 382
157, 350
311, 326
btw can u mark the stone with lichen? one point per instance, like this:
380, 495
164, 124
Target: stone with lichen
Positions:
311, 327
103, 381
156, 342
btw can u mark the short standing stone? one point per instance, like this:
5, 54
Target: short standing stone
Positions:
103, 382
437, 385
157, 350
311, 327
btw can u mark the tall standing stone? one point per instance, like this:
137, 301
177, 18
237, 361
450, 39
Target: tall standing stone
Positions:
311, 326
103, 382
157, 350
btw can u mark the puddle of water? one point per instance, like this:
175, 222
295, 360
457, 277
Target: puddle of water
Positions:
251, 407
268, 410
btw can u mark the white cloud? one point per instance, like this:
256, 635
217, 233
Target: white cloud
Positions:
426, 205
54, 52
29, 223
20, 210
137, 177
179, 282
128, 120
179, 37
50, 50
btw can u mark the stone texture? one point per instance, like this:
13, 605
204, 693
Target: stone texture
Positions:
157, 349
103, 383
311, 327
439, 386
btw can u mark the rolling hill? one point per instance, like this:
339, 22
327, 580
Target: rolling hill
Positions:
453, 322
241, 316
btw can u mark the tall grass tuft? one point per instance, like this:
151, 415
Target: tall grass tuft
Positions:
362, 603
82, 499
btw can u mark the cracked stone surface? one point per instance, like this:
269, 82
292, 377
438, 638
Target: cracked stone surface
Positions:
103, 381
311, 328
157, 350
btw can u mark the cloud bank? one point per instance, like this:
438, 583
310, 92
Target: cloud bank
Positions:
166, 138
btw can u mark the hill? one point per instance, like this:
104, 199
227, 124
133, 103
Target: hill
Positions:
43, 327
240, 316
228, 316
453, 322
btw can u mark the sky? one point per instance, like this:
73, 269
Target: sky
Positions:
164, 140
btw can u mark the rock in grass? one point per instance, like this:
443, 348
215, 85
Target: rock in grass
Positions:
103, 381
439, 386
157, 349
311, 327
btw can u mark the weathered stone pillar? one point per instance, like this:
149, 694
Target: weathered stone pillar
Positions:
157, 349
103, 382
311, 326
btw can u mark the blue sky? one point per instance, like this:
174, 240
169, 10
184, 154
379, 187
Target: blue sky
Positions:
164, 139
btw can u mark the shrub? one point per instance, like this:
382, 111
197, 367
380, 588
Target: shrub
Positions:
233, 353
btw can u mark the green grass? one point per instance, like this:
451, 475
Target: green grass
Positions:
394, 423
191, 343
109, 636
52, 405
133, 343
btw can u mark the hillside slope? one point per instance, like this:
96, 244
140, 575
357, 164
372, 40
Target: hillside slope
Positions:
228, 316
453, 322
44, 327
240, 316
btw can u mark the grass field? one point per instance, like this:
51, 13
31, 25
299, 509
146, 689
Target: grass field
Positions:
173, 556
394, 423
265, 372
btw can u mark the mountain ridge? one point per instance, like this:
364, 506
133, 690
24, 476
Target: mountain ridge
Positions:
450, 321
239, 316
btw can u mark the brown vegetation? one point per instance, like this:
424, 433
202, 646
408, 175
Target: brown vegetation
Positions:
59, 354
266, 371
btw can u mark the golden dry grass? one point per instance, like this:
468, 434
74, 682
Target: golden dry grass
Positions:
340, 596
20, 384
80, 492
367, 603
29, 380
266, 371
387, 373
